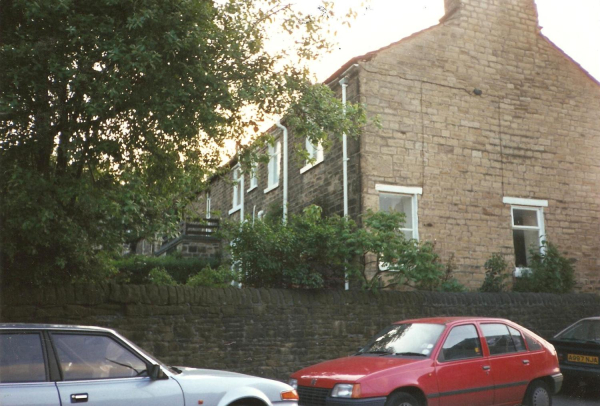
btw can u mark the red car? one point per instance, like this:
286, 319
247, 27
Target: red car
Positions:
462, 361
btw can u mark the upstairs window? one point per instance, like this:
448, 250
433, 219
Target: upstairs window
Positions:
253, 178
527, 218
274, 166
207, 205
404, 200
315, 155
238, 186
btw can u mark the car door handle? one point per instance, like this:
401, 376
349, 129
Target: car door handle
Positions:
526, 361
486, 367
79, 398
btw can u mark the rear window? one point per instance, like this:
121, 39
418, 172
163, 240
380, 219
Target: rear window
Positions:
21, 358
584, 330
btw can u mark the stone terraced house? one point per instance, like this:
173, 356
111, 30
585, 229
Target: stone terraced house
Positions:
490, 141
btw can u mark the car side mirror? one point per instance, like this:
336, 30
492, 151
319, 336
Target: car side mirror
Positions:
155, 372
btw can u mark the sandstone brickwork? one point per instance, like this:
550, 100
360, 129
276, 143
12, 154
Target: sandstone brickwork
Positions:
534, 132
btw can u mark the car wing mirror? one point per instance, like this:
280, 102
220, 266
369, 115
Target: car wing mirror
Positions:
155, 372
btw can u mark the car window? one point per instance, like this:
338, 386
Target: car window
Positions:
84, 356
462, 342
406, 338
500, 340
585, 330
532, 343
21, 358
517, 339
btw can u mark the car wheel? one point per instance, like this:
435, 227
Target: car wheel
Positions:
538, 395
402, 399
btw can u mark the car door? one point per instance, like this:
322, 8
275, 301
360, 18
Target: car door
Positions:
99, 370
510, 363
462, 371
24, 374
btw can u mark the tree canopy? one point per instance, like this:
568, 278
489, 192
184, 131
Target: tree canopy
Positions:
112, 112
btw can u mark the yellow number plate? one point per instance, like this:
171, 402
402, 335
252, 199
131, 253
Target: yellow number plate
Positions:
585, 359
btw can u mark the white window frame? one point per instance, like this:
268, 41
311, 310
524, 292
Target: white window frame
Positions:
536, 205
411, 191
253, 178
274, 166
207, 205
238, 187
315, 155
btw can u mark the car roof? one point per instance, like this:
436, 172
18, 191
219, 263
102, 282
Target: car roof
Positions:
36, 326
452, 320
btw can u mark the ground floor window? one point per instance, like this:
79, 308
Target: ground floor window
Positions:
527, 221
402, 199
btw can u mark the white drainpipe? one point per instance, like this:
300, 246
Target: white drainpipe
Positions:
344, 84
285, 168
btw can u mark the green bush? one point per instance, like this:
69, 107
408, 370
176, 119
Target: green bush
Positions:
302, 253
312, 251
495, 274
136, 269
550, 272
215, 278
160, 276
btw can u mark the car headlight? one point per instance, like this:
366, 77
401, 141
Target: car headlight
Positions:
346, 390
293, 383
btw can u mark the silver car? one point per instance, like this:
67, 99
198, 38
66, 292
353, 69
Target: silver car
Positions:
61, 365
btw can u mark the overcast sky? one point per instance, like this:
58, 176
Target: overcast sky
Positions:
573, 25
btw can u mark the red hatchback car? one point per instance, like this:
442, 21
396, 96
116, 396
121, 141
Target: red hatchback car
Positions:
462, 361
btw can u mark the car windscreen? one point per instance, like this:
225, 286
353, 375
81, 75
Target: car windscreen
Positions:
416, 339
585, 330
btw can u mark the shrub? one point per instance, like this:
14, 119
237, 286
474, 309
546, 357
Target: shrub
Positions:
312, 251
550, 272
495, 274
135, 269
302, 253
160, 276
215, 278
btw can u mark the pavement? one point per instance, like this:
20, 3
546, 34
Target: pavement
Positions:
582, 395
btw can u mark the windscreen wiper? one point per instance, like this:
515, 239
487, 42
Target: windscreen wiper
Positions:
416, 354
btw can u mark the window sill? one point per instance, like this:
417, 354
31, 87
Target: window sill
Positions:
519, 272
275, 186
236, 208
251, 189
310, 166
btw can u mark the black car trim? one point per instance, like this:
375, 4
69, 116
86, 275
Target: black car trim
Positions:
479, 389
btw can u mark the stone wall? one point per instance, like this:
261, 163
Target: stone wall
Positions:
270, 333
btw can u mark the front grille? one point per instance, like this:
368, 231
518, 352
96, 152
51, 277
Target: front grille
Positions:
312, 396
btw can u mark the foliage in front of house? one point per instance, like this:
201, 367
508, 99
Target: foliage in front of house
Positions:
311, 251
549, 272
138, 269
496, 274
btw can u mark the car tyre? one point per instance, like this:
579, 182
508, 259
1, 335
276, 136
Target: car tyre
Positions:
538, 394
402, 399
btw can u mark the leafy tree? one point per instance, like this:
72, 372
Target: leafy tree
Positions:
112, 112
495, 274
549, 272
